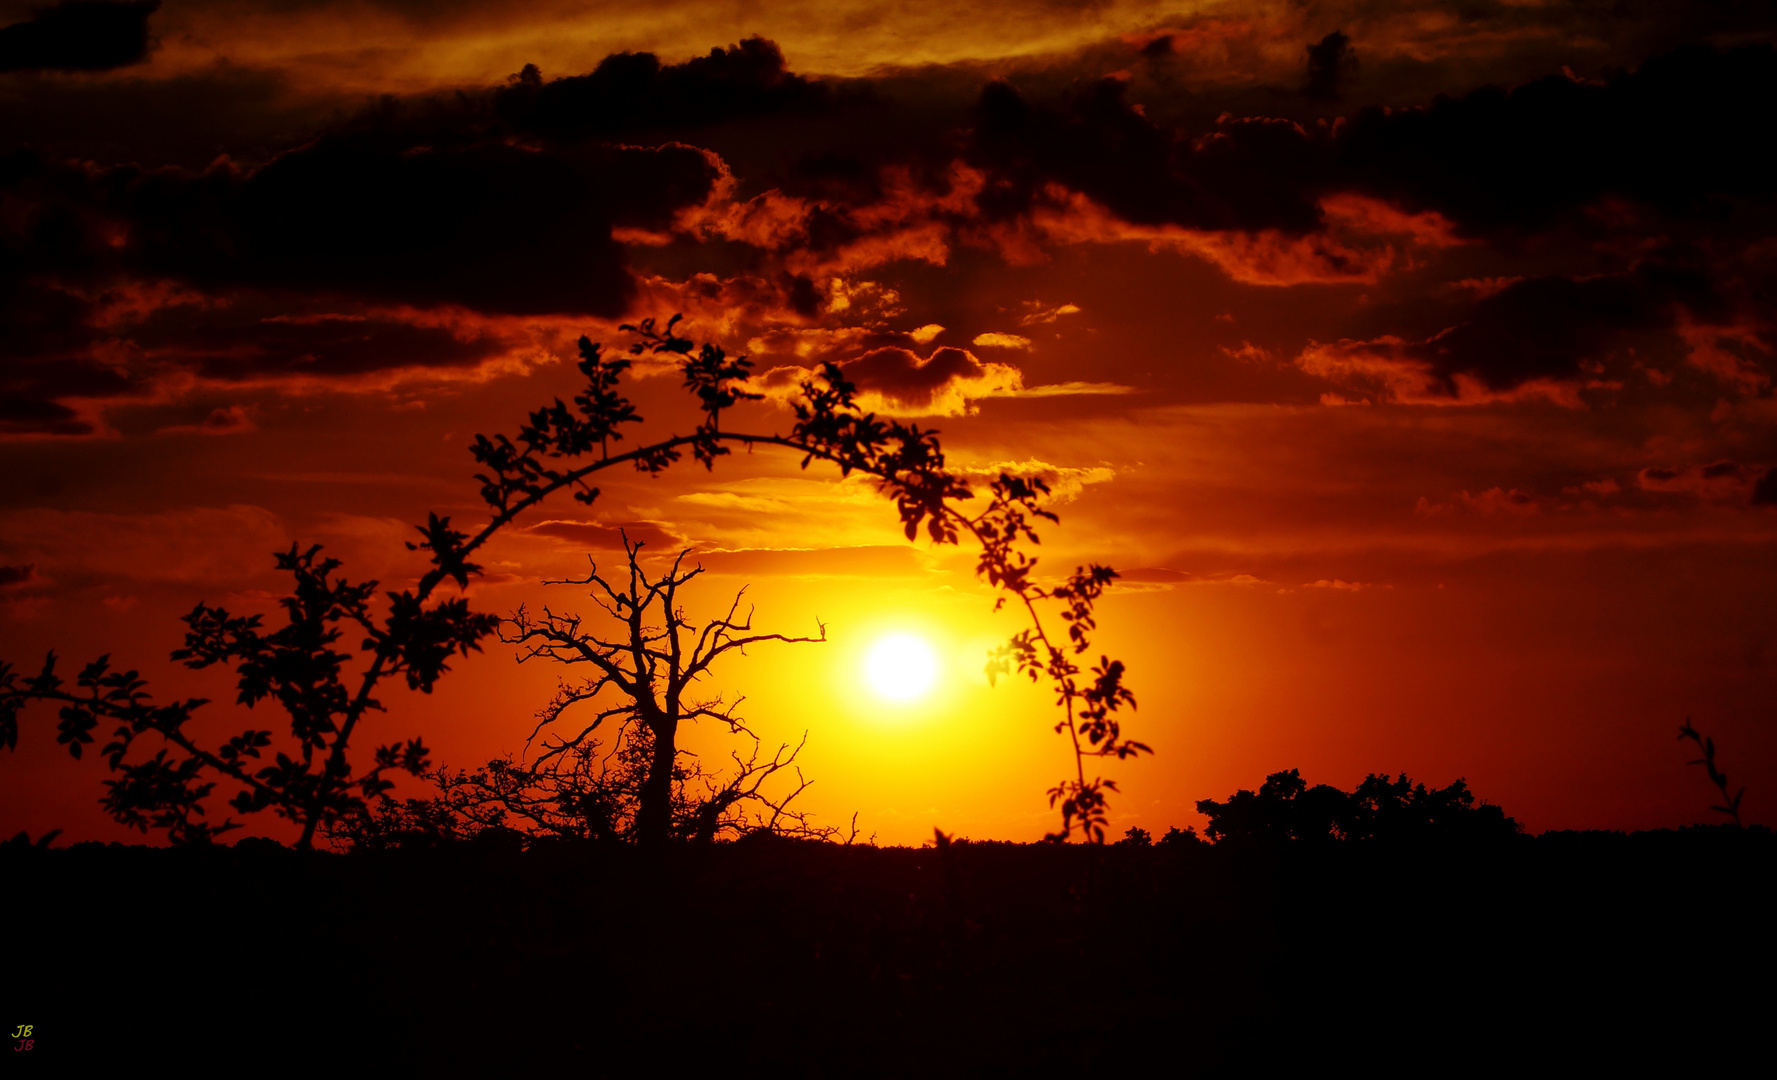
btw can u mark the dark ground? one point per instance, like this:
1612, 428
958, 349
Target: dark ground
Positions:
1569, 952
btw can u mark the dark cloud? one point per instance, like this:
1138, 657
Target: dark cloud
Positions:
1724, 481
282, 266
45, 338
78, 35
12, 577
633, 94
503, 202
38, 416
189, 120
1330, 62
902, 377
488, 226
1764, 493
1679, 133
1570, 330
428, 202
1248, 174
804, 298
251, 338
1549, 327
235, 346
229, 420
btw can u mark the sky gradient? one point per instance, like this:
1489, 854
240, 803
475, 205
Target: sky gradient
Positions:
1413, 363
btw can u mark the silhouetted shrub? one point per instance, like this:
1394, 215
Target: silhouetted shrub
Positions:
1181, 838
1285, 808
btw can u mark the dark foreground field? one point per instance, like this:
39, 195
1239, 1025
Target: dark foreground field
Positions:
1580, 951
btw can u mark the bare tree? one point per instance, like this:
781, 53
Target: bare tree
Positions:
635, 683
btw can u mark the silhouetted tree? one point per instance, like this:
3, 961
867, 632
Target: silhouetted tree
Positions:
639, 689
1285, 808
1399, 809
1177, 838
311, 779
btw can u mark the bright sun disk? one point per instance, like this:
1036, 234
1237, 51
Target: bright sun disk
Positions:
901, 667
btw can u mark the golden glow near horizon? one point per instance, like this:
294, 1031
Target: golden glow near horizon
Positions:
901, 667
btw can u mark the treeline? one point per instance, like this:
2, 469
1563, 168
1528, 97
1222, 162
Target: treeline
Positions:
1285, 810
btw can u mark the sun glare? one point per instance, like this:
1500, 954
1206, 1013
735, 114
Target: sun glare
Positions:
901, 667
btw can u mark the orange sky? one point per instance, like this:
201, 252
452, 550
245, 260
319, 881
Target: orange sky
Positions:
1436, 438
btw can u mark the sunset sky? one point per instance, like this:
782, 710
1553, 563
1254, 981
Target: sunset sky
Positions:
1412, 362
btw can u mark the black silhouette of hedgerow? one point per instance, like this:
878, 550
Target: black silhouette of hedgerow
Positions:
311, 780
1286, 809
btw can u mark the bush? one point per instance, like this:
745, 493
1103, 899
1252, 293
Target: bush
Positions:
1286, 809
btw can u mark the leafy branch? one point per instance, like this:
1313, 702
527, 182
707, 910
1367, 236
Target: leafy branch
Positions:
1730, 805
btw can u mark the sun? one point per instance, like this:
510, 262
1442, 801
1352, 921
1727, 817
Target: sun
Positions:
901, 667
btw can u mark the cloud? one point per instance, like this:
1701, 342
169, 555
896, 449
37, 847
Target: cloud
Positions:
1070, 389
1338, 585
997, 340
1733, 353
634, 94
227, 420
1330, 61
1160, 575
477, 223
1496, 502
1721, 481
1036, 314
875, 561
153, 119
1154, 575
1065, 482
946, 383
146, 345
1398, 371
1553, 337
595, 536
206, 546
78, 35
896, 380
1361, 241
1547, 327
1271, 200
1764, 493
1247, 175
789, 210
1596, 488
310, 255
1668, 135
18, 577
